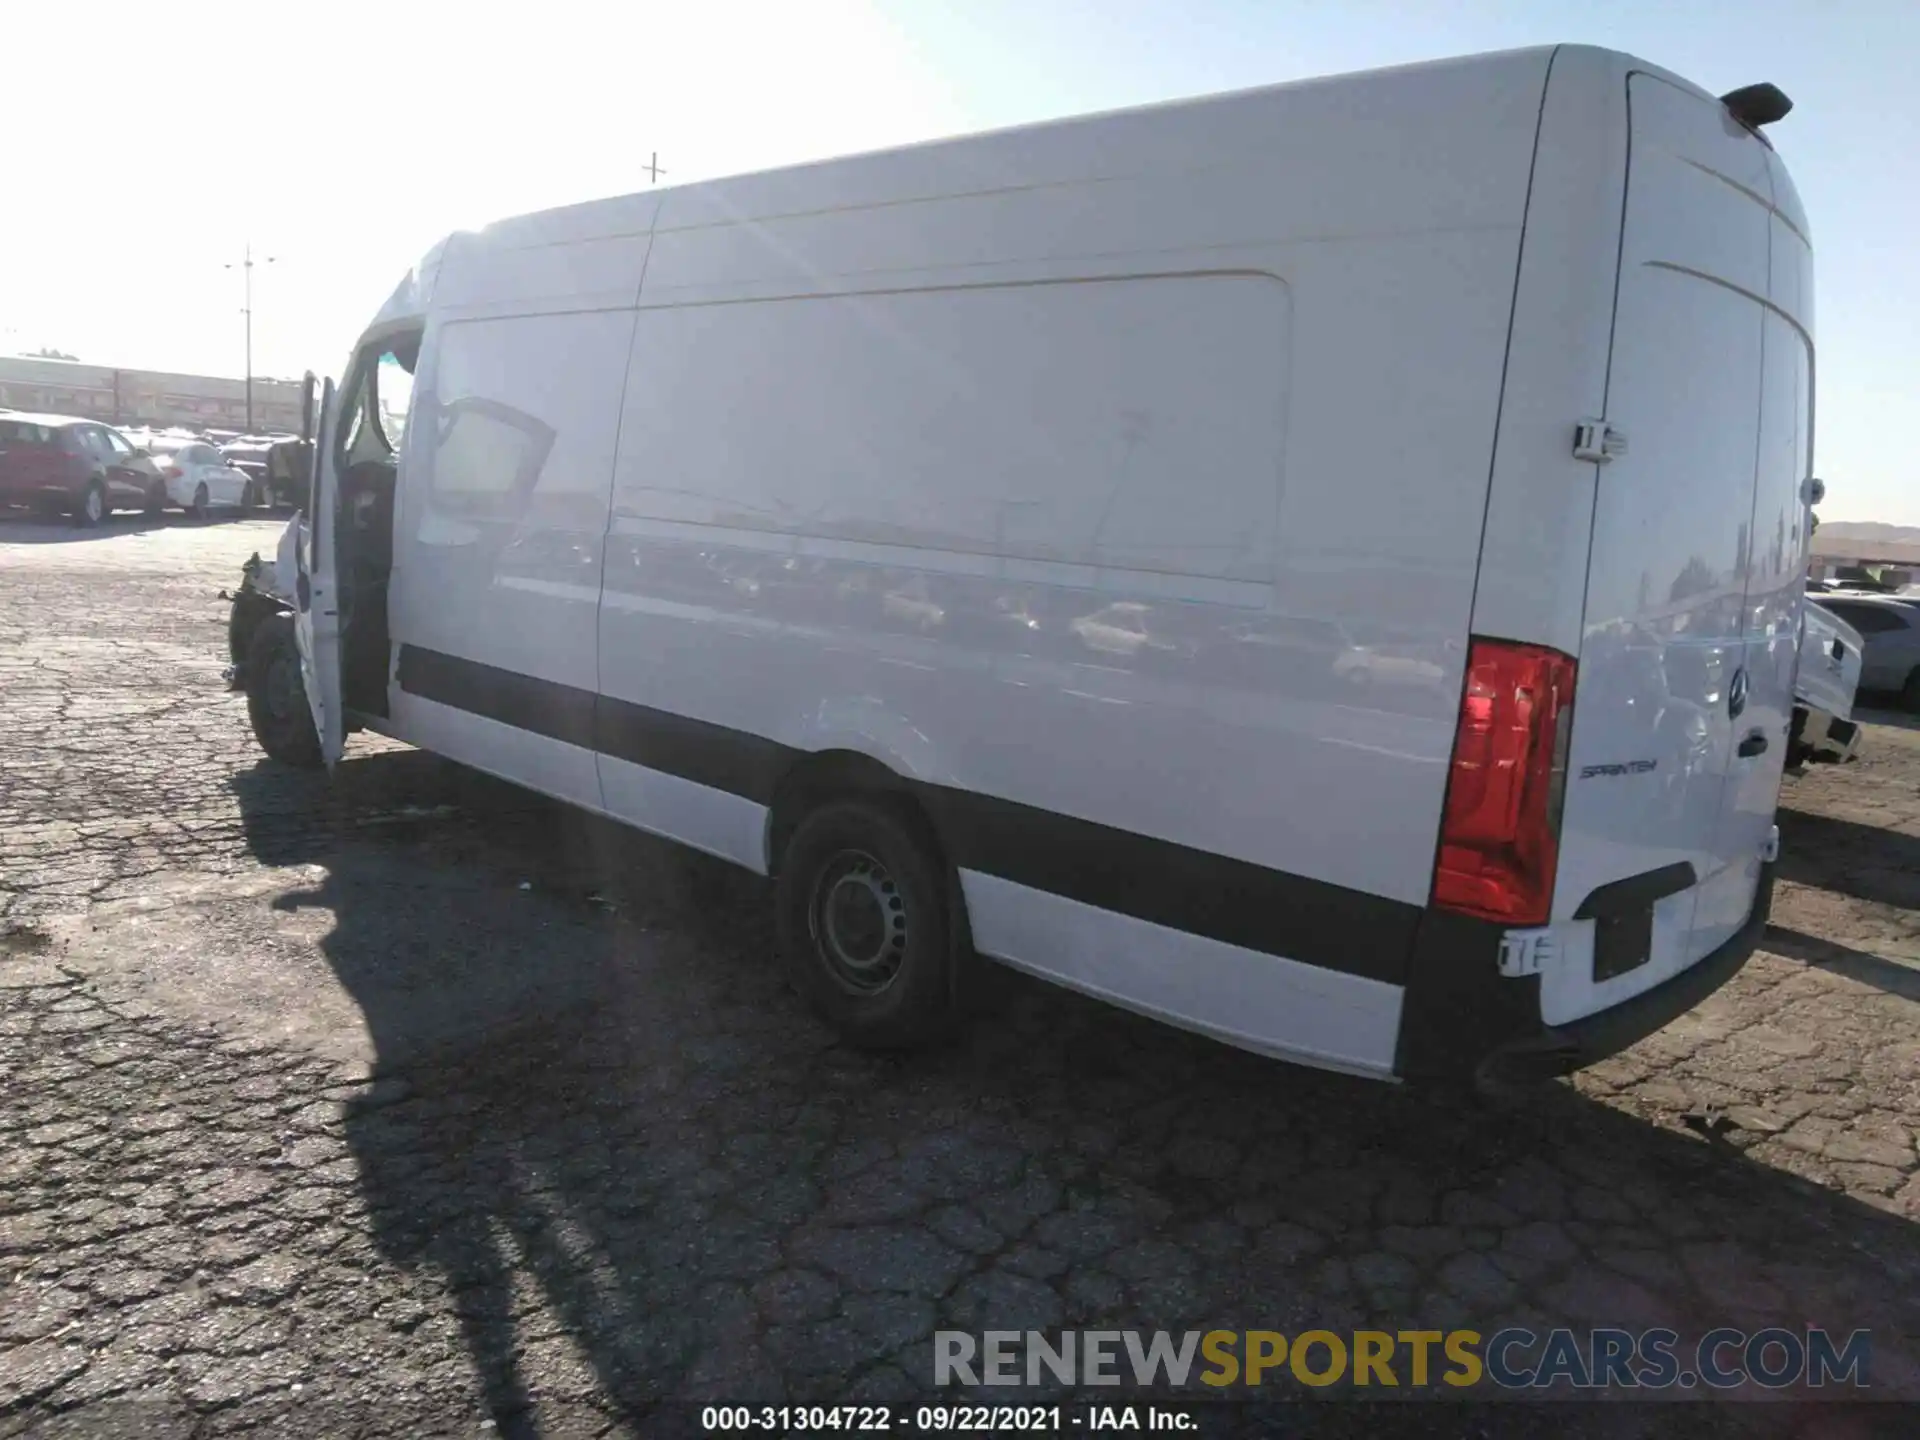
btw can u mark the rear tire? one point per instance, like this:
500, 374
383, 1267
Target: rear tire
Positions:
1910, 693
872, 924
276, 698
92, 508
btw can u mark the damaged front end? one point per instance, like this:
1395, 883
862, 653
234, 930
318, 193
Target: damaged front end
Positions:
262, 592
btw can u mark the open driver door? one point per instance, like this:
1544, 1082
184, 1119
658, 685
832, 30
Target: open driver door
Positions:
316, 620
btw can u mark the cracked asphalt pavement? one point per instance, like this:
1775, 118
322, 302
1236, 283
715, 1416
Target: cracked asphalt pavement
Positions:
405, 1102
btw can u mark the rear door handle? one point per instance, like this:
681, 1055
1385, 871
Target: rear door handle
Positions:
1754, 744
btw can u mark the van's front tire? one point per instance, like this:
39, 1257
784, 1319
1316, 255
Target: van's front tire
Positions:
276, 698
870, 924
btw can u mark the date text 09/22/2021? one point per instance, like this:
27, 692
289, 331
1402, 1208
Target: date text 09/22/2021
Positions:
947, 1419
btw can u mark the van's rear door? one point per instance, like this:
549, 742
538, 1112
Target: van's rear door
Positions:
1685, 687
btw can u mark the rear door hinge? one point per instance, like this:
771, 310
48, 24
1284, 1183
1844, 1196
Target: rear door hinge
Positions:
1597, 441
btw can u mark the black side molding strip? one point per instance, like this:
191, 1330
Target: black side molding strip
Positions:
1168, 884
711, 755
1159, 881
560, 712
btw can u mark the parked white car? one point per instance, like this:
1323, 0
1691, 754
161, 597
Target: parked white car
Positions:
1824, 729
197, 479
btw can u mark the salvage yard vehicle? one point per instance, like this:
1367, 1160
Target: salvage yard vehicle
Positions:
1365, 352
265, 590
275, 465
60, 464
197, 479
1824, 685
1889, 631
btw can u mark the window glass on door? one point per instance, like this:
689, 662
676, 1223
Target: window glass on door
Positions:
482, 460
393, 398
1867, 619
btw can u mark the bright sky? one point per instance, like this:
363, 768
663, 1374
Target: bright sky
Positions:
344, 139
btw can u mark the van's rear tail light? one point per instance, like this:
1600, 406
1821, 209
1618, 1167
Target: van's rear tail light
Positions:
1500, 831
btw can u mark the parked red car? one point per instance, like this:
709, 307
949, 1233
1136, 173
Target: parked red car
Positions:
60, 464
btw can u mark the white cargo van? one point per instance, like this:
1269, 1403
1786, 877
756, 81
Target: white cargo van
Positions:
1319, 565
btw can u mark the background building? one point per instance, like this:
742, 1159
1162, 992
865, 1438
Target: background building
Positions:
1885, 554
146, 397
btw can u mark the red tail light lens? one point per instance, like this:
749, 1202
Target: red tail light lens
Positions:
1500, 832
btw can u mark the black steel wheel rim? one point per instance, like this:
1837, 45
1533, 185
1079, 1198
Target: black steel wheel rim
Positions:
858, 921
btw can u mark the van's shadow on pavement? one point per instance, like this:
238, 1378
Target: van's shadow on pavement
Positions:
1860, 965
1867, 862
615, 1137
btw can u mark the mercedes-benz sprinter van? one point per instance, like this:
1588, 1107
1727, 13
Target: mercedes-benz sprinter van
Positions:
1320, 565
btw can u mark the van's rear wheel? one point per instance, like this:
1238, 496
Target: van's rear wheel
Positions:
870, 923
276, 698
1910, 693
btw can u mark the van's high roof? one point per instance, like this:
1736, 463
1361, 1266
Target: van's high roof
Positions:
614, 214
1392, 117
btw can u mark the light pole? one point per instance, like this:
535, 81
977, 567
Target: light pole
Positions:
246, 269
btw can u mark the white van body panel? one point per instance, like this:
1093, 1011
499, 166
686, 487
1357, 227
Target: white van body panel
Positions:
999, 398
585, 257
553, 767
702, 816
1533, 577
1130, 488
414, 296
1698, 554
1258, 1002
501, 522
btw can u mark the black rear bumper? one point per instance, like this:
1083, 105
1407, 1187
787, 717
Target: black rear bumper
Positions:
1462, 1019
